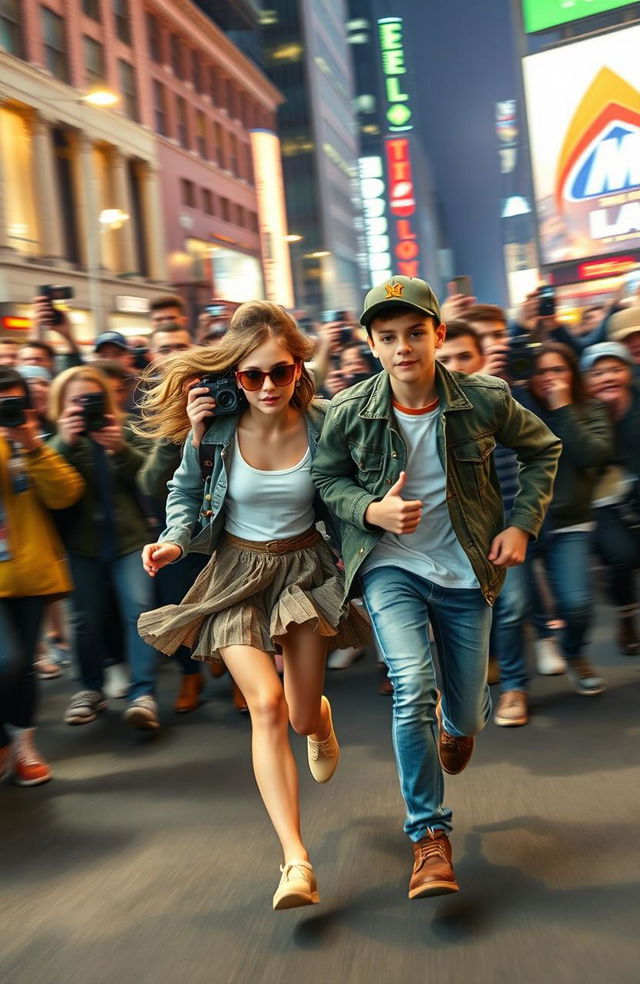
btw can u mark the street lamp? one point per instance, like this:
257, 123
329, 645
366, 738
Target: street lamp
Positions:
103, 98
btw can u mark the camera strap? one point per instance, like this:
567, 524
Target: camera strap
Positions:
206, 455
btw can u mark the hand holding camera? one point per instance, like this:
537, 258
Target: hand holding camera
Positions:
19, 424
86, 417
46, 316
109, 436
201, 406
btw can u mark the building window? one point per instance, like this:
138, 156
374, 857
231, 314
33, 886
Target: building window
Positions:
187, 193
196, 71
121, 14
233, 155
234, 107
253, 221
225, 210
55, 51
91, 8
16, 148
207, 201
201, 134
218, 143
154, 39
223, 93
183, 123
10, 30
176, 56
93, 62
213, 84
63, 150
128, 89
160, 108
240, 215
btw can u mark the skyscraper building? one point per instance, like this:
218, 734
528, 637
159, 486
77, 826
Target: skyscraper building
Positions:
308, 59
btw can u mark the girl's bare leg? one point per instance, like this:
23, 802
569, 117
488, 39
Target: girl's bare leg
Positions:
305, 656
273, 762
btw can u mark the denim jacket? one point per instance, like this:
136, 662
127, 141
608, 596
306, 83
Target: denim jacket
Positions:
195, 508
361, 454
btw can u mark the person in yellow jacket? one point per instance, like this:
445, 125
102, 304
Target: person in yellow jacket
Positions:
33, 568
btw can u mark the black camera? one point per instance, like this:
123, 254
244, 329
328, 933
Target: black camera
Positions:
12, 411
521, 357
546, 301
55, 293
222, 387
93, 406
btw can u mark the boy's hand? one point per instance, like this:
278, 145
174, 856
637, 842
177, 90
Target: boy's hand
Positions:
509, 548
392, 513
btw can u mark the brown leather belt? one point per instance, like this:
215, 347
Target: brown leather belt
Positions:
276, 546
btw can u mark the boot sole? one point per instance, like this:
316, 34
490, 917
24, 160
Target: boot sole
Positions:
434, 888
296, 900
510, 723
32, 782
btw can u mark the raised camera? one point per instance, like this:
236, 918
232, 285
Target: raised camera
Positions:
521, 357
93, 406
222, 387
55, 293
546, 302
12, 411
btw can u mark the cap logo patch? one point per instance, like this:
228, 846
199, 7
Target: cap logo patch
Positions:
393, 290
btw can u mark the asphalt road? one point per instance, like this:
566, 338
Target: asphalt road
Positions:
151, 859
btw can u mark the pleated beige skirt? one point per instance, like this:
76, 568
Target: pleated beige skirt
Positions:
250, 595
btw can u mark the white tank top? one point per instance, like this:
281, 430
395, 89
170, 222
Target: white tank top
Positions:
268, 505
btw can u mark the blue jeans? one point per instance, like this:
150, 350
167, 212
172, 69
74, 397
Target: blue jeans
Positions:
401, 605
507, 631
134, 592
20, 625
567, 559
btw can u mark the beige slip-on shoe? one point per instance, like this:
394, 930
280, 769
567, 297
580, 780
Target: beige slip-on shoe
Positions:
323, 755
297, 886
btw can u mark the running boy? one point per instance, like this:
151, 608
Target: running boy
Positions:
405, 461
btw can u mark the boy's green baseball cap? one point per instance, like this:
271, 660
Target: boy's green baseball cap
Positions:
409, 292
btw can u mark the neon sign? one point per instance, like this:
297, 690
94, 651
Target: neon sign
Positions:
402, 205
376, 226
394, 70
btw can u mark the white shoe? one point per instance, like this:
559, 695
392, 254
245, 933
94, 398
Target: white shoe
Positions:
297, 886
341, 659
549, 659
116, 680
142, 713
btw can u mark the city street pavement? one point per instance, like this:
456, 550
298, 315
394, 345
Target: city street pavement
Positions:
150, 859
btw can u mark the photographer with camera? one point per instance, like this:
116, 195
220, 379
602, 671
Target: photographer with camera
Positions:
33, 571
608, 374
49, 318
103, 534
556, 394
243, 493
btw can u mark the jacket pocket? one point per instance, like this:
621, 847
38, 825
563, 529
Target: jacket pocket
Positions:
473, 463
369, 465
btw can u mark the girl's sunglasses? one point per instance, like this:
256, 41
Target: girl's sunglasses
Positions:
253, 379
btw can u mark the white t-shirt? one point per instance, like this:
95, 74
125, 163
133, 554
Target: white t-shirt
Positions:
268, 505
433, 551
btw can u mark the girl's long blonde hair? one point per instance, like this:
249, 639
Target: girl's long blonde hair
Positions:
87, 374
164, 406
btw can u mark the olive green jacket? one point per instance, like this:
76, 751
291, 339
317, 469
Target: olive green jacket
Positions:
361, 453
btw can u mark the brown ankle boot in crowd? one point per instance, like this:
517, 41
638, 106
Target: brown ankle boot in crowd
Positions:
628, 639
190, 689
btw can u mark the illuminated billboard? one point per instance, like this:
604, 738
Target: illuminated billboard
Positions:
376, 225
583, 107
540, 14
394, 72
272, 217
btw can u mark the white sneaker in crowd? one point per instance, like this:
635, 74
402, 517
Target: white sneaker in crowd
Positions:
116, 680
142, 713
549, 659
341, 659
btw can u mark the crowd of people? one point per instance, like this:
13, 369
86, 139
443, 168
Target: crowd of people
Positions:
254, 496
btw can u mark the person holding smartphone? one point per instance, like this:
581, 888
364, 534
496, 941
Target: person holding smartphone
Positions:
33, 570
271, 579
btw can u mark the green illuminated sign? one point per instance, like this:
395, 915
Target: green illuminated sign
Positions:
394, 69
540, 14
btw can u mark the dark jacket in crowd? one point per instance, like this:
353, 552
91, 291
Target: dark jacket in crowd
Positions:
587, 445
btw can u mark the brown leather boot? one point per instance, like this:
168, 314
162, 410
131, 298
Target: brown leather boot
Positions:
454, 752
190, 689
432, 869
216, 668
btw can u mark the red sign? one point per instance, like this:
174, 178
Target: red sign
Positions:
614, 267
10, 323
402, 205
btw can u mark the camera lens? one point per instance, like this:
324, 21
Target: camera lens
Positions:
226, 399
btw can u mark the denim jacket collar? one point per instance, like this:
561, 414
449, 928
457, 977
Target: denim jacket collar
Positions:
451, 396
223, 428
